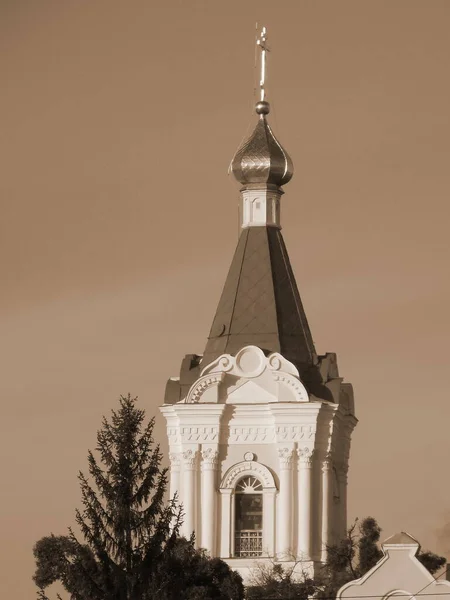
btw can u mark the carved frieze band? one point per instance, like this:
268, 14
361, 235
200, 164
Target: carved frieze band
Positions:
200, 434
269, 434
295, 433
262, 435
238, 435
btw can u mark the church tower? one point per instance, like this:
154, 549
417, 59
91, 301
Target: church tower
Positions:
259, 426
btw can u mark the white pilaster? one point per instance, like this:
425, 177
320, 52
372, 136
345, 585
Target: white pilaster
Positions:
284, 546
189, 491
268, 542
327, 489
174, 483
226, 524
209, 499
304, 503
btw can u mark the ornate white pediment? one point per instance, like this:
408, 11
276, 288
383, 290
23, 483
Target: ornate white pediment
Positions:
250, 362
250, 377
205, 389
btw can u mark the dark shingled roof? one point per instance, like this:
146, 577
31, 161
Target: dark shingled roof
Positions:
260, 303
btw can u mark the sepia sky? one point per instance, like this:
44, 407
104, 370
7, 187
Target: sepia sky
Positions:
119, 221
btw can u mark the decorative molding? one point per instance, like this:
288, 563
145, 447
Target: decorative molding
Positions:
173, 433
295, 384
249, 363
190, 458
224, 363
295, 433
210, 458
207, 433
305, 456
236, 472
201, 385
260, 435
175, 460
274, 361
285, 455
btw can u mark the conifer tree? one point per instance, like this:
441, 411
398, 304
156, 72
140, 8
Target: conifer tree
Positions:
431, 561
369, 552
126, 525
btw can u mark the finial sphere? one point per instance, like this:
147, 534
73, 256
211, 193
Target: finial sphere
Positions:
262, 107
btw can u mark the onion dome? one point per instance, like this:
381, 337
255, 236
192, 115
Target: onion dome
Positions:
262, 159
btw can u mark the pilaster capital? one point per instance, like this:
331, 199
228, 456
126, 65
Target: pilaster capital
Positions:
305, 457
285, 455
189, 459
175, 460
210, 459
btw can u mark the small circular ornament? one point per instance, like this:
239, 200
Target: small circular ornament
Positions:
249, 456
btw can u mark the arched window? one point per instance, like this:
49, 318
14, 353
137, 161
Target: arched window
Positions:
248, 525
241, 484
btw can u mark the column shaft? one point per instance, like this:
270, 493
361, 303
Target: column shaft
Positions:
174, 483
304, 549
189, 485
208, 500
342, 478
285, 503
327, 489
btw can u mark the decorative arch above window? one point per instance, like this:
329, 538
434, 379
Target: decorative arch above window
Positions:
245, 469
247, 504
249, 485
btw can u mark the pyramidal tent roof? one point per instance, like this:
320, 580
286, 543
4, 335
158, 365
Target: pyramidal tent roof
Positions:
260, 304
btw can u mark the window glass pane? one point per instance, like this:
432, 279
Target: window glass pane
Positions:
248, 517
249, 511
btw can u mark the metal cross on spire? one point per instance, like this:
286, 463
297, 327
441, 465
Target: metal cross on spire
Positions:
261, 42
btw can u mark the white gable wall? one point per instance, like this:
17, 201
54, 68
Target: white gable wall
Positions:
397, 573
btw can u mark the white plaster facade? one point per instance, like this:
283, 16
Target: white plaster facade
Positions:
398, 573
250, 415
